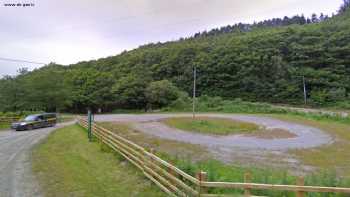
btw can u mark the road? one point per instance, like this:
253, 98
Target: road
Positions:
16, 179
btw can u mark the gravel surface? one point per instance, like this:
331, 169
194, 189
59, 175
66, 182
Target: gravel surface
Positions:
16, 178
235, 148
306, 136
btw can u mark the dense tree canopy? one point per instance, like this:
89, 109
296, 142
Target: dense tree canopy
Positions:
265, 62
161, 93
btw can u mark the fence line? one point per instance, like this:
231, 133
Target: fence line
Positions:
175, 182
8, 119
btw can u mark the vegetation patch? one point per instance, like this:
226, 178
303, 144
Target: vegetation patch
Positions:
66, 164
170, 147
215, 126
264, 62
273, 134
219, 171
4, 126
335, 156
65, 117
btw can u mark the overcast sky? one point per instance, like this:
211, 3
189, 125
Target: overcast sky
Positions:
68, 31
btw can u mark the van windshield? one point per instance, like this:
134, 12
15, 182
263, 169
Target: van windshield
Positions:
30, 118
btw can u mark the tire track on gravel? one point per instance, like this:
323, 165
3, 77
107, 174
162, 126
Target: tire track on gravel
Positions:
16, 178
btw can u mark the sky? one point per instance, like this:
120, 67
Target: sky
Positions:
66, 31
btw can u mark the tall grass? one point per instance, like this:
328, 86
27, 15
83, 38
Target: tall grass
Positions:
217, 104
218, 171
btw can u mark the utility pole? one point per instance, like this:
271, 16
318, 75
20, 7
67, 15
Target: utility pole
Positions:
304, 84
194, 92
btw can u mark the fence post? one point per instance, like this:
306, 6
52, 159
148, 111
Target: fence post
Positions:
202, 177
152, 151
300, 182
172, 172
89, 125
247, 179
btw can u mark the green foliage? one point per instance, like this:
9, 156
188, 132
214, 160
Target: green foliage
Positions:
345, 6
260, 64
4, 126
161, 93
220, 172
181, 103
343, 105
218, 104
42, 89
130, 92
18, 113
90, 88
215, 126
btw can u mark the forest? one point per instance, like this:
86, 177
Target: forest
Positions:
260, 62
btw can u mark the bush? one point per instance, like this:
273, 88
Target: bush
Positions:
319, 97
19, 113
217, 104
161, 93
183, 102
343, 105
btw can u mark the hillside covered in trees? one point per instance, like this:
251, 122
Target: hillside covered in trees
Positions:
262, 62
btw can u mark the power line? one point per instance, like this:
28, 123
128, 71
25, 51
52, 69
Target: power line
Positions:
19, 60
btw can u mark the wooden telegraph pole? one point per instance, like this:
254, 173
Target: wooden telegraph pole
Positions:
305, 94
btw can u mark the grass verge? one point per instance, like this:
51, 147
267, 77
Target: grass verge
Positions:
4, 126
65, 118
217, 171
216, 126
66, 164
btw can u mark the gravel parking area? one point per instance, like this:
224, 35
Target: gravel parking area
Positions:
304, 136
244, 149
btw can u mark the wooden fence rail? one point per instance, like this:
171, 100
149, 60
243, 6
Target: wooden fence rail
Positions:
175, 182
8, 119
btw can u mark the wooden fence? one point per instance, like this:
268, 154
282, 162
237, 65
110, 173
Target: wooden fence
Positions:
8, 119
175, 182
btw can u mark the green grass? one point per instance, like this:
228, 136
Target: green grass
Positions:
65, 117
218, 171
169, 147
4, 126
192, 159
66, 164
219, 105
216, 126
335, 156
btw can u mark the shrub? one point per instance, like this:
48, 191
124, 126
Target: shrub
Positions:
161, 93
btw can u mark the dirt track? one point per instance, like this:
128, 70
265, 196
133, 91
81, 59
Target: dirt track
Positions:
234, 148
305, 136
16, 178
